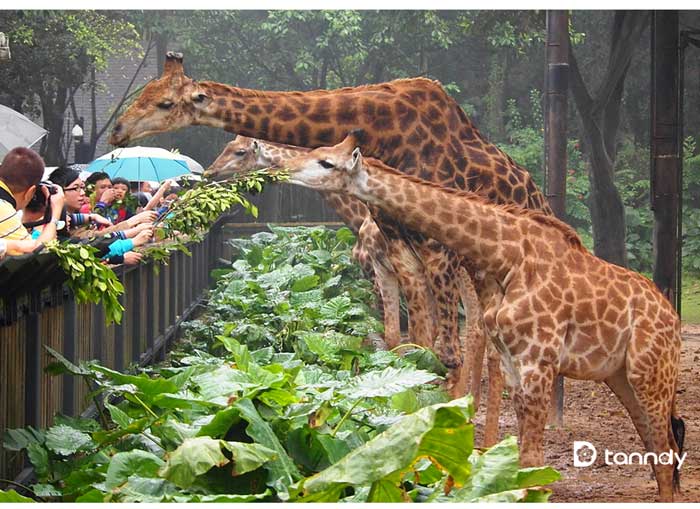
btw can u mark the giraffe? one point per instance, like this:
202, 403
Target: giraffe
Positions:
550, 306
411, 124
244, 154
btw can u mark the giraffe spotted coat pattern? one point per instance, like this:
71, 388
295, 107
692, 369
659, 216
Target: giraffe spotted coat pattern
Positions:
550, 306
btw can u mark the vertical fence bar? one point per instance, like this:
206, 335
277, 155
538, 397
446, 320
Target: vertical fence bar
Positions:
32, 395
69, 348
151, 307
119, 329
135, 314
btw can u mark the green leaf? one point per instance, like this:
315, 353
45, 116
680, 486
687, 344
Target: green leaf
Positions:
313, 450
11, 496
93, 496
124, 464
66, 366
146, 490
517, 495
65, 440
305, 283
220, 424
46, 490
427, 360
282, 470
248, 457
148, 386
79, 423
399, 446
536, 476
385, 383
194, 457
18, 439
385, 491
494, 471
118, 415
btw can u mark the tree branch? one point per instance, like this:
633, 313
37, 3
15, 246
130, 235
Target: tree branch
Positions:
631, 24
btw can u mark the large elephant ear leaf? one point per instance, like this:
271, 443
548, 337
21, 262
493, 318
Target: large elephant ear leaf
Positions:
11, 496
386, 383
194, 457
396, 450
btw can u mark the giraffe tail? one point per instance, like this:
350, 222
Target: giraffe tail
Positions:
678, 430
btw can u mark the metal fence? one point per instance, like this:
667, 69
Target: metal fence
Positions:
156, 300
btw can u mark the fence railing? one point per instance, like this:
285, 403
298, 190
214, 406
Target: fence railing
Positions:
37, 309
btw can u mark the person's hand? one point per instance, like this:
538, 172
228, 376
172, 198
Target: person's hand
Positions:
144, 217
98, 219
143, 237
21, 246
143, 226
132, 257
108, 196
57, 200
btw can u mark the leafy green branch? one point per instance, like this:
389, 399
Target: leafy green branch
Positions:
90, 279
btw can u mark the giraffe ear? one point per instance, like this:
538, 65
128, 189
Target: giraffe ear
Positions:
356, 161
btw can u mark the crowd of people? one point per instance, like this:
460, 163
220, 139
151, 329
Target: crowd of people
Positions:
111, 214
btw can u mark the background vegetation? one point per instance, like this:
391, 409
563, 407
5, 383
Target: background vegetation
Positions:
492, 62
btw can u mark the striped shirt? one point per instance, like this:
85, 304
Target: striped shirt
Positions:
11, 226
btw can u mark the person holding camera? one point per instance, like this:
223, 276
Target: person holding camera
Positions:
20, 175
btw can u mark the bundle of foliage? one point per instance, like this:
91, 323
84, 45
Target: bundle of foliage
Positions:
276, 400
186, 220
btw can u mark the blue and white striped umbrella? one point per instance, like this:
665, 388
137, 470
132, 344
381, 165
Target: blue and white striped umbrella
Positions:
143, 163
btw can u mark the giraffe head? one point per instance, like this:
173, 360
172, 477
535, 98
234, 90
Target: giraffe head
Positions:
338, 168
171, 102
240, 156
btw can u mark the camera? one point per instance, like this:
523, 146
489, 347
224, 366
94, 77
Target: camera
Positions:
50, 186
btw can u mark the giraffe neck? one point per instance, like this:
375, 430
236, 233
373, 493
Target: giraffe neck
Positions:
410, 123
489, 236
277, 154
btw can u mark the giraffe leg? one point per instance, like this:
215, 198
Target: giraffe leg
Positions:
652, 376
388, 286
475, 341
443, 270
531, 400
493, 403
416, 289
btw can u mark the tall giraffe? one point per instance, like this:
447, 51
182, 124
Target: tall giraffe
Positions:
550, 306
411, 124
244, 154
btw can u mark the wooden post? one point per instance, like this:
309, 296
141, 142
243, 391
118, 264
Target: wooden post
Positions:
556, 89
666, 146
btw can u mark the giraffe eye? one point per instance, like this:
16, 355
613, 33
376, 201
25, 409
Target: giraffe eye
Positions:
165, 105
240, 152
326, 164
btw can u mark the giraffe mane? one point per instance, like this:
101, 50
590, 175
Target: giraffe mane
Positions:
570, 235
247, 92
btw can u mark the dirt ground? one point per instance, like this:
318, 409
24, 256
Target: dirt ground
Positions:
592, 413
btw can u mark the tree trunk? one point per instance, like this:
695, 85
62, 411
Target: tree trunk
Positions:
601, 118
53, 113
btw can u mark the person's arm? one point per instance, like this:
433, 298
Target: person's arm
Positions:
153, 202
56, 201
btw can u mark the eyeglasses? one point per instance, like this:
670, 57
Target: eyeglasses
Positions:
75, 188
